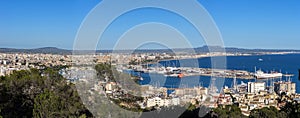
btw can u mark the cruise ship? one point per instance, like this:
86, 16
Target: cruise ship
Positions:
261, 75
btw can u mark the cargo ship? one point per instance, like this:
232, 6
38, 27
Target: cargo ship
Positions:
262, 75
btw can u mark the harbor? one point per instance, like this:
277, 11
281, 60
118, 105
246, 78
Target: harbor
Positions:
180, 72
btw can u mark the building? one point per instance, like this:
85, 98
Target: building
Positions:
255, 87
110, 86
148, 91
157, 101
2, 72
191, 91
225, 99
4, 62
287, 87
242, 88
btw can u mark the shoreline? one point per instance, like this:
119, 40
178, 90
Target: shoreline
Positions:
279, 53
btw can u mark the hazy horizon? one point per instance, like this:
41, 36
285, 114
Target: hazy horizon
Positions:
156, 48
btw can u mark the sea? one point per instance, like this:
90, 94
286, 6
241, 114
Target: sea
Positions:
284, 63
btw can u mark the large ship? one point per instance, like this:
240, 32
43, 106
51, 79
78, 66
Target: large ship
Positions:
261, 75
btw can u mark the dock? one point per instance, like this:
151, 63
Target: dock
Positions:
219, 73
191, 71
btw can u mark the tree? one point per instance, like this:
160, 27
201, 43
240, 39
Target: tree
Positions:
271, 112
46, 105
228, 111
26, 94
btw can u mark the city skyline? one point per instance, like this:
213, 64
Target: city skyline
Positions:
150, 58
243, 24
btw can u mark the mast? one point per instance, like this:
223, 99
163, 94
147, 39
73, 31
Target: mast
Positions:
234, 83
272, 85
213, 79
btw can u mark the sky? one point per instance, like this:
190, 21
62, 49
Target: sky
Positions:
264, 24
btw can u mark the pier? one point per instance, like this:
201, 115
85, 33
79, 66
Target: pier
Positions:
190, 71
220, 73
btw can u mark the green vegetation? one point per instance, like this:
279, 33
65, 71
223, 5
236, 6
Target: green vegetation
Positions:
104, 70
290, 110
191, 107
271, 112
133, 62
229, 111
28, 94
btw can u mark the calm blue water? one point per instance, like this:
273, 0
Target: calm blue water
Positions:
285, 63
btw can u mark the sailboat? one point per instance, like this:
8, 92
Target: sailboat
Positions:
141, 78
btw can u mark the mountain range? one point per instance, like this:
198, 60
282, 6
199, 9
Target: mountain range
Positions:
203, 49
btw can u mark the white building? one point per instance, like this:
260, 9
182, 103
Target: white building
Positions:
154, 102
157, 101
2, 72
287, 87
110, 86
175, 101
255, 87
4, 62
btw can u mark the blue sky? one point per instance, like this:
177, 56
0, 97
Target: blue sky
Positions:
272, 24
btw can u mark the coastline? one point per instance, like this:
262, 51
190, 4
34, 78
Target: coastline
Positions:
230, 55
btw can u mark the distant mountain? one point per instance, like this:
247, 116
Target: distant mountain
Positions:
240, 50
206, 49
203, 49
46, 50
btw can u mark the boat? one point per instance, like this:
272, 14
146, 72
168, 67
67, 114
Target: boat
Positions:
161, 71
260, 59
171, 69
151, 70
261, 75
177, 75
171, 75
180, 75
